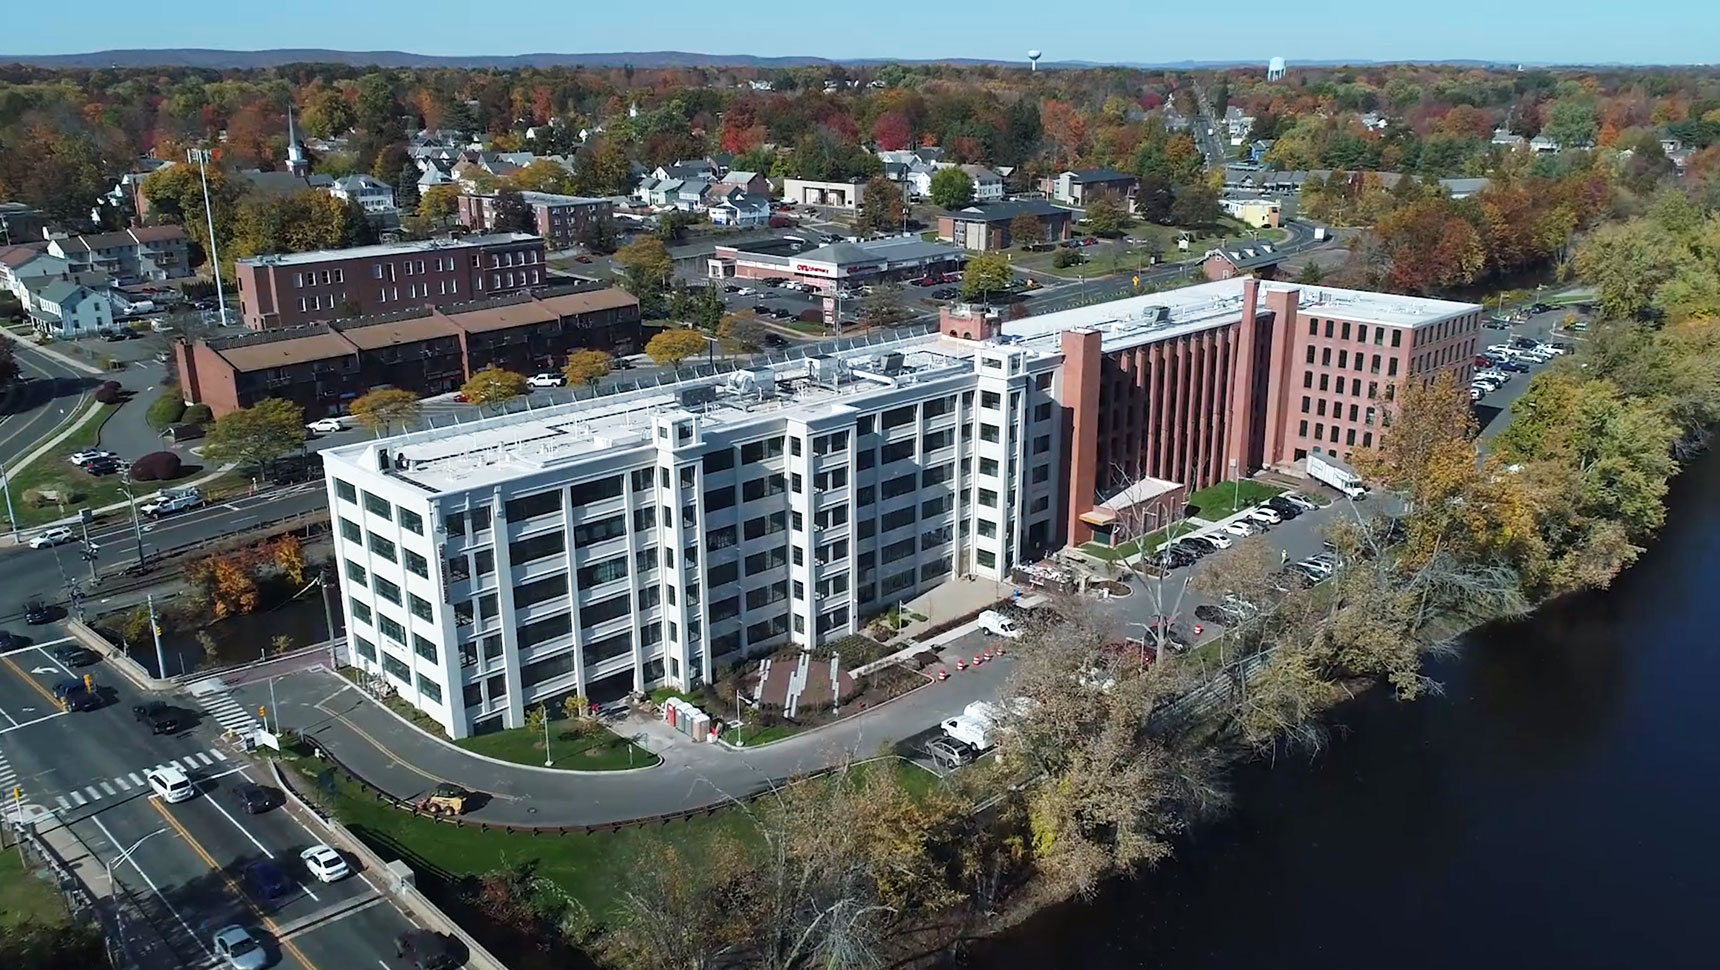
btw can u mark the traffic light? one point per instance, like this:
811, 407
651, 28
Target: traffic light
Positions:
17, 793
262, 712
89, 681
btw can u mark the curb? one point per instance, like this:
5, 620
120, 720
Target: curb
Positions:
497, 761
44, 351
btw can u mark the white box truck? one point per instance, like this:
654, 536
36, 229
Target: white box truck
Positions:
1323, 468
975, 726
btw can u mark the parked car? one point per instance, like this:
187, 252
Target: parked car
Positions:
1193, 548
1208, 613
1515, 366
103, 466
1302, 501
1265, 514
582, 258
1284, 507
90, 454
1241, 528
1217, 540
547, 379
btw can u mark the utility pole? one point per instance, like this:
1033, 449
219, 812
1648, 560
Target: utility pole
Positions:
155, 631
201, 156
136, 527
328, 619
11, 517
89, 549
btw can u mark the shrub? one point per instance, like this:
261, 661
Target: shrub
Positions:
1064, 258
166, 410
196, 414
810, 315
108, 393
157, 466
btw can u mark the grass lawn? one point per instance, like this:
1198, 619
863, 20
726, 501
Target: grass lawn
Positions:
599, 751
1226, 498
1128, 550
585, 866
53, 471
25, 899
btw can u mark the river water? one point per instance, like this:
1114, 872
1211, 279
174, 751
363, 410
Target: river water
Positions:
1556, 808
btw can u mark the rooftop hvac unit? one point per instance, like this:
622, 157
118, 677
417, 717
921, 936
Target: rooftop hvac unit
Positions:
694, 396
1155, 314
889, 362
823, 369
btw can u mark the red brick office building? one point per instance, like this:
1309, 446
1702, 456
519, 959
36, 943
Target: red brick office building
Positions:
294, 289
1211, 382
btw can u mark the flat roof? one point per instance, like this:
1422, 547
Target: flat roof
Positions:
495, 449
387, 249
889, 249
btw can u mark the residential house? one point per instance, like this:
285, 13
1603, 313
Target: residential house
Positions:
742, 211
1259, 259
1237, 125
750, 183
698, 168
1257, 213
1259, 147
145, 253
987, 184
1076, 187
374, 195
986, 225
19, 223
660, 193
1542, 145
912, 169
1374, 121
690, 195
20, 264
69, 307
435, 173
1506, 138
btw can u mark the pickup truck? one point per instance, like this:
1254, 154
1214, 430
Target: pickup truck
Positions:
171, 504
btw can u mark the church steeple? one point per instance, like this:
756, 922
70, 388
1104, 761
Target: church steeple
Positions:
296, 161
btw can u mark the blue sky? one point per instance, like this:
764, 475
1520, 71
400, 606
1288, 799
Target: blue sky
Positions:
1591, 31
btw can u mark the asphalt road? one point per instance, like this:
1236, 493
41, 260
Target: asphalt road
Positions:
49, 396
190, 873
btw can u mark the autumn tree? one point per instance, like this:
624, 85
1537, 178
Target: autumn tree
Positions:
646, 268
493, 385
598, 236
509, 212
951, 188
439, 203
984, 275
587, 367
740, 334
881, 205
1026, 230
670, 347
1106, 216
1426, 246
254, 436
381, 410
883, 305
892, 131
288, 554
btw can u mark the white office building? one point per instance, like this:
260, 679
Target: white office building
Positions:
648, 538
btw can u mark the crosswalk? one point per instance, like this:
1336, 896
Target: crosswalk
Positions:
8, 777
133, 782
212, 694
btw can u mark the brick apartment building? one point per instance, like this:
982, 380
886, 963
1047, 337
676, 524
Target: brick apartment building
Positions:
294, 289
559, 218
986, 225
427, 350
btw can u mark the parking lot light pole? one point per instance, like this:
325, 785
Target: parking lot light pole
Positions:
131, 503
202, 157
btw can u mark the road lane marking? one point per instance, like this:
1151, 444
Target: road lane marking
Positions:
65, 806
122, 783
207, 761
242, 829
81, 800
8, 717
209, 860
114, 844
53, 659
95, 796
109, 789
218, 755
26, 678
135, 779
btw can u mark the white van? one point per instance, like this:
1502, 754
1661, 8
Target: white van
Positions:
170, 783
997, 624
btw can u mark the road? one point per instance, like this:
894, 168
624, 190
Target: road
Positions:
27, 573
1205, 128
188, 869
49, 396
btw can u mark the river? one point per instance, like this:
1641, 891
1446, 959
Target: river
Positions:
1555, 808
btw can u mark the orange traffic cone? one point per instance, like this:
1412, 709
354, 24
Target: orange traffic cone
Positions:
961, 665
943, 674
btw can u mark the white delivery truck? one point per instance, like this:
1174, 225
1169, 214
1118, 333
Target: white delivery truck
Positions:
975, 726
1324, 468
999, 624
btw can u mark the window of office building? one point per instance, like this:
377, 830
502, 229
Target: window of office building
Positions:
720, 460
415, 564
366, 649
382, 547
531, 549
378, 506
411, 521
350, 531
391, 628
360, 610
346, 491
600, 531
356, 574
587, 492
532, 506
541, 590
387, 590
545, 630
396, 668
424, 648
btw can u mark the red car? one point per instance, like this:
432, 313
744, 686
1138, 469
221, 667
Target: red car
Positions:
1089, 241
1481, 361
582, 259
460, 399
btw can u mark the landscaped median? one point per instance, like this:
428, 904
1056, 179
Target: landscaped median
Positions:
51, 487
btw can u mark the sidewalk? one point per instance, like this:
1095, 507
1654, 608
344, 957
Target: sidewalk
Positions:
46, 351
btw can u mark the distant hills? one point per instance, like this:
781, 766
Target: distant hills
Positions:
240, 60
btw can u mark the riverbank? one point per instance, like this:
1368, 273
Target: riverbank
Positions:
1570, 751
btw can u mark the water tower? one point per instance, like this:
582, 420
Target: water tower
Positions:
1033, 59
1275, 69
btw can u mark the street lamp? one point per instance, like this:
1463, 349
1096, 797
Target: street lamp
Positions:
202, 156
125, 485
11, 517
126, 856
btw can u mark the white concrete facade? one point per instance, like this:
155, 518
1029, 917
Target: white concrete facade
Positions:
629, 543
